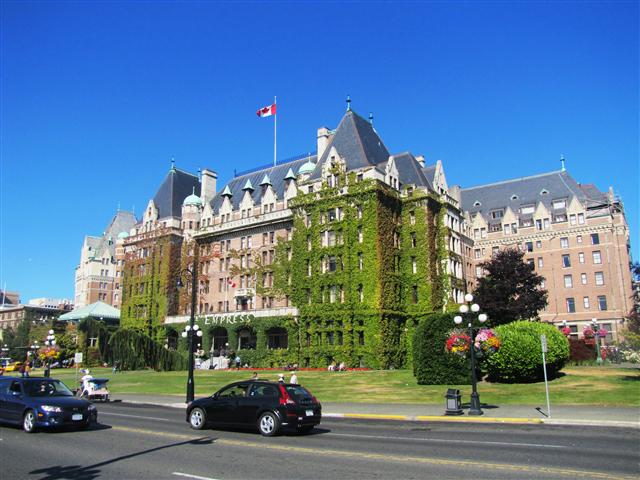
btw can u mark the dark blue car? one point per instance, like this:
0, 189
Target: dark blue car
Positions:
42, 402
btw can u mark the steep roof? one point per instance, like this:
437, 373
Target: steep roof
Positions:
410, 171
357, 142
525, 191
176, 186
276, 174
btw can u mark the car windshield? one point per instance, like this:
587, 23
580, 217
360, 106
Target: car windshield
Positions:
47, 388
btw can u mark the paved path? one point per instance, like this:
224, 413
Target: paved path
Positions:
565, 414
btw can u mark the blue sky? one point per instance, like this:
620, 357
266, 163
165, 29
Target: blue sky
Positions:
96, 97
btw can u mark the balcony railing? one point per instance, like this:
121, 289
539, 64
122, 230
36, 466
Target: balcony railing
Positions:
246, 222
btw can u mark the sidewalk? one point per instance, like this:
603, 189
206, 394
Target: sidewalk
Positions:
516, 414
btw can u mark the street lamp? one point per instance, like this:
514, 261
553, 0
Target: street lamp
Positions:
474, 407
50, 341
191, 329
596, 327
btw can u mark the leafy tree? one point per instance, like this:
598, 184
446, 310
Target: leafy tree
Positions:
632, 320
511, 290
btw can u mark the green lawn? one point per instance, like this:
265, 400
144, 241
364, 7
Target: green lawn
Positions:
603, 386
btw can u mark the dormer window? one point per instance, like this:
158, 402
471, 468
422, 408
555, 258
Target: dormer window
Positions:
558, 204
527, 209
476, 203
495, 214
544, 191
514, 197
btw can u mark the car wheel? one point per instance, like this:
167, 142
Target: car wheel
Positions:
306, 428
268, 424
197, 419
29, 421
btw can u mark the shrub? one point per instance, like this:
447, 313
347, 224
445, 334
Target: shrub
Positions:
431, 363
520, 356
579, 351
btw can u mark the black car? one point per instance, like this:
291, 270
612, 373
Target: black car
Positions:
42, 402
269, 406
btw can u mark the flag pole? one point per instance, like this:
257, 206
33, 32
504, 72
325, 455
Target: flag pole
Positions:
275, 123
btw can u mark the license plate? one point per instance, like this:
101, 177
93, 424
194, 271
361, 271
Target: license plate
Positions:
76, 416
309, 413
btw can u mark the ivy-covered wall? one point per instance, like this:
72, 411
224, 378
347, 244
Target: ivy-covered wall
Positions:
149, 284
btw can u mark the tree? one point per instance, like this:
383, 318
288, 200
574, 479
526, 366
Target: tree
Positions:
511, 290
631, 333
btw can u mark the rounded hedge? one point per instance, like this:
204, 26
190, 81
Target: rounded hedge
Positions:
432, 365
520, 356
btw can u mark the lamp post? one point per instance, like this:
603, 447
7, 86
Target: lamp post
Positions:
5, 352
596, 327
474, 407
50, 341
191, 329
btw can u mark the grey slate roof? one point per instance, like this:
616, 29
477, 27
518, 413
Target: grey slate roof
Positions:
276, 174
177, 186
525, 191
357, 142
410, 171
429, 172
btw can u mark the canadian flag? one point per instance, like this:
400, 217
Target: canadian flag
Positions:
267, 111
231, 283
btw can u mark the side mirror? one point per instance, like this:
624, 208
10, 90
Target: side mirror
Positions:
215, 396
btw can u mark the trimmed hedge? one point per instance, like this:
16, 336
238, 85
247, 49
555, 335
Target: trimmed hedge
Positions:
135, 350
432, 365
519, 359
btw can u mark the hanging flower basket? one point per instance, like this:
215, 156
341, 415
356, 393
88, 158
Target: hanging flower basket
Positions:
588, 333
566, 331
48, 353
486, 342
458, 343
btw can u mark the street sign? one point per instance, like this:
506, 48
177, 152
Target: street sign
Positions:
543, 339
77, 358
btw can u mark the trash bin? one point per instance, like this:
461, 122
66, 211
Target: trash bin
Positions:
453, 402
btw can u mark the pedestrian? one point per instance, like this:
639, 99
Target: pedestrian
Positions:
238, 360
115, 367
294, 378
281, 378
254, 376
21, 370
47, 370
27, 369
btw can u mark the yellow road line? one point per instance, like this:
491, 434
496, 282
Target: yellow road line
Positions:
375, 416
475, 464
435, 418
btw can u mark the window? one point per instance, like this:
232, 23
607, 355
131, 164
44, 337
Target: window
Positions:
478, 272
599, 278
538, 224
413, 239
527, 209
571, 305
579, 238
566, 261
557, 204
564, 242
333, 291
332, 264
540, 262
496, 214
581, 257
529, 246
360, 293
581, 219
583, 278
359, 234
585, 303
597, 258
414, 265
359, 212
308, 268
595, 239
532, 263
414, 294
572, 219
412, 218
538, 243
568, 281
360, 261
602, 302
507, 229
476, 253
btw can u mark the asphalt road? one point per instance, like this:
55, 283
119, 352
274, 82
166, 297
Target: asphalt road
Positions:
146, 442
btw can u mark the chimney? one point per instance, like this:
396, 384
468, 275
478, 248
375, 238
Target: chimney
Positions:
208, 185
420, 160
323, 140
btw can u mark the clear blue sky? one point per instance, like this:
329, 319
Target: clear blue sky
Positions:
96, 97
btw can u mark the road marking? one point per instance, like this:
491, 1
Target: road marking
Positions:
135, 416
473, 464
197, 477
354, 435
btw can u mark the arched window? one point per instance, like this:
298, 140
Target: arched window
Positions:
247, 339
277, 338
219, 339
172, 339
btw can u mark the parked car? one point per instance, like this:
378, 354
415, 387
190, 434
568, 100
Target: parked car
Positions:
268, 406
13, 367
42, 402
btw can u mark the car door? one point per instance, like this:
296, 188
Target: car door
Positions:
224, 405
4, 387
260, 396
14, 401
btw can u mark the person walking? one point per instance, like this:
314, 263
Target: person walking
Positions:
238, 360
294, 378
